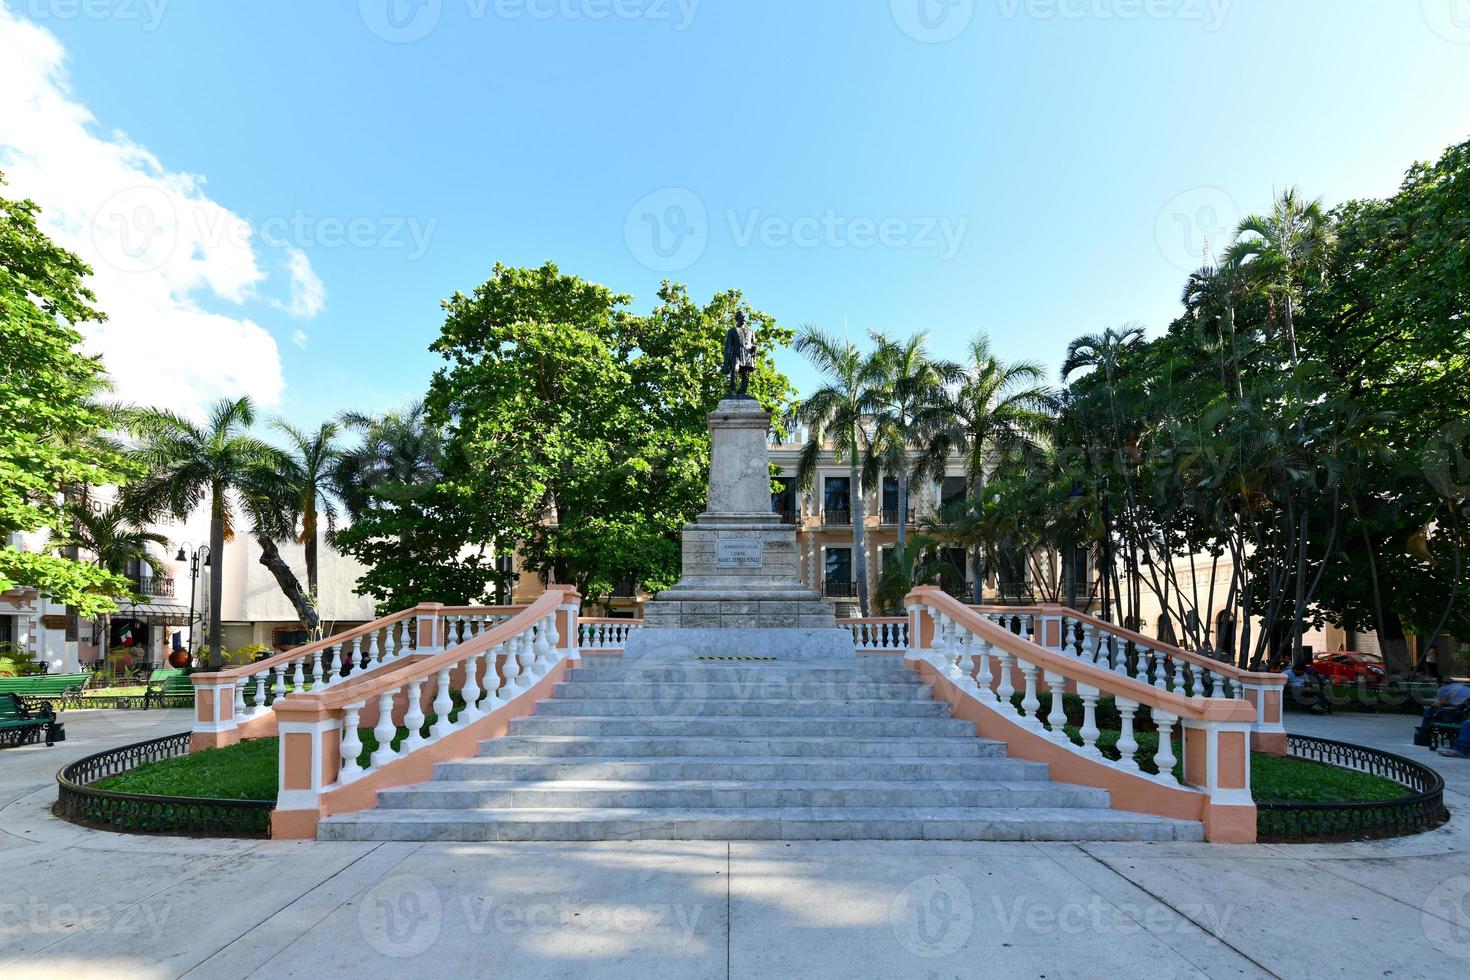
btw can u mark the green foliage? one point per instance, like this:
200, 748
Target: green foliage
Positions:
17, 661
575, 430
50, 422
244, 771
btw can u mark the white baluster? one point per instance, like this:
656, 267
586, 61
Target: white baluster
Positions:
1094, 638
374, 655
1089, 731
496, 692
1127, 744
1179, 676
983, 648
344, 660
1030, 702
298, 675
1003, 688
471, 689
278, 675
542, 645
383, 731
240, 697
1164, 757
351, 743
1161, 675
1025, 623
413, 717
965, 661
443, 707
390, 640
1057, 716
512, 670
356, 653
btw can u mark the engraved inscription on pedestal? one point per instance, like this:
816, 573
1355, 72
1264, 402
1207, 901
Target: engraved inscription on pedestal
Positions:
740, 553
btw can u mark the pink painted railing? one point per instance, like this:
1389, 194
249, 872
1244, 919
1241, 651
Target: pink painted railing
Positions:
499, 673
229, 699
978, 666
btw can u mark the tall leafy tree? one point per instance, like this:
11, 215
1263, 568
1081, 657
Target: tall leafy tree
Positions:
911, 404
219, 464
307, 482
50, 420
837, 416
997, 409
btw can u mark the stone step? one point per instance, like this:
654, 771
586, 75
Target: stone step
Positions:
698, 727
760, 823
849, 689
716, 768
665, 746
703, 672
564, 793
741, 708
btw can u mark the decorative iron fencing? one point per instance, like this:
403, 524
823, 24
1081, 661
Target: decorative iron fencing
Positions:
1420, 810
136, 813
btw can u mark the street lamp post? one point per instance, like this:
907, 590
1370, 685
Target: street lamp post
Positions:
200, 552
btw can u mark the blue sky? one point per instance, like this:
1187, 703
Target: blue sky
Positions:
1034, 168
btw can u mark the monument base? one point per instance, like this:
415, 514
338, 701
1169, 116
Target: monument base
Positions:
785, 645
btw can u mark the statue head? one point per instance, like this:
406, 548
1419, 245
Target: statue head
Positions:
739, 318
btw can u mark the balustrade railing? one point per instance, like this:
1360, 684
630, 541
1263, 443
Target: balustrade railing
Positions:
604, 635
878, 633
988, 660
415, 707
229, 698
1160, 665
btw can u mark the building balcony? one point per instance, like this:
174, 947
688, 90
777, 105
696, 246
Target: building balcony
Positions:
837, 518
789, 516
837, 590
890, 516
156, 587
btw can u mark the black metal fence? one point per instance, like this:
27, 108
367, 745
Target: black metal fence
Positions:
1422, 809
136, 813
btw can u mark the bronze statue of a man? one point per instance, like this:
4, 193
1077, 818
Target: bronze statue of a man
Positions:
739, 355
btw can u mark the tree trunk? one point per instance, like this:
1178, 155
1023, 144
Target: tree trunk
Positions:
308, 534
270, 557
216, 576
903, 512
977, 584
859, 537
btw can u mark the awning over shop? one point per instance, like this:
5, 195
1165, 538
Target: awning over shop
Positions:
162, 613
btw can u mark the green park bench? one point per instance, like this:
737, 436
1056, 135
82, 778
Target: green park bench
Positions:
170, 687
33, 690
20, 725
1444, 731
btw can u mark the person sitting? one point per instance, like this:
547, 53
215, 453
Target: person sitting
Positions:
1306, 686
1448, 705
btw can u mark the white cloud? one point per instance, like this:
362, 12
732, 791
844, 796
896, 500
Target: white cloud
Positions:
308, 294
156, 242
300, 339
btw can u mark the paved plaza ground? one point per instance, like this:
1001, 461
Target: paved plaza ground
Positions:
79, 903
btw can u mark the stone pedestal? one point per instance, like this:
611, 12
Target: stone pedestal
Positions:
740, 569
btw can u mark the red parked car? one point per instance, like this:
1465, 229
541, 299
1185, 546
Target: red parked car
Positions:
1345, 667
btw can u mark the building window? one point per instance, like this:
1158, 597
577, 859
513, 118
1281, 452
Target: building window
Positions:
837, 500
785, 502
838, 571
952, 491
505, 590
890, 500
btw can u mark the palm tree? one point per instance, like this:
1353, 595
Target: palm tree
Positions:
115, 543
1285, 250
997, 410
309, 478
190, 465
835, 415
399, 451
1212, 295
911, 404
